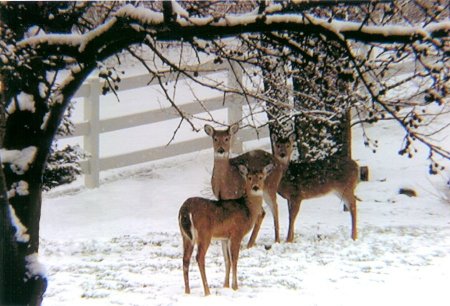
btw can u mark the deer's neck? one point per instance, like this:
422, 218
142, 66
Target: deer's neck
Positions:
222, 162
254, 204
281, 164
222, 168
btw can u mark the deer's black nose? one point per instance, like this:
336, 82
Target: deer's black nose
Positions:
220, 151
255, 188
282, 155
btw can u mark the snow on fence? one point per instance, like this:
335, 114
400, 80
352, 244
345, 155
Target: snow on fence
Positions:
91, 127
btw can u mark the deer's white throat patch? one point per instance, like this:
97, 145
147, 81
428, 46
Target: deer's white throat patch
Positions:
256, 193
221, 155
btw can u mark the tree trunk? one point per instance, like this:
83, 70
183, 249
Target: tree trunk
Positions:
21, 287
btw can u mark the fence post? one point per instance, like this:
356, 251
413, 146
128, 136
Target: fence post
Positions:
91, 141
235, 78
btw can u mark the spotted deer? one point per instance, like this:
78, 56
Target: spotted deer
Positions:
228, 184
202, 220
304, 181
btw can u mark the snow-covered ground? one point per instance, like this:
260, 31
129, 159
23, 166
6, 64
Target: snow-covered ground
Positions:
120, 245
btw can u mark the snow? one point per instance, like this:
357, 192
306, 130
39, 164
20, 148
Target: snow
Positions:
43, 89
19, 160
145, 16
179, 10
34, 268
21, 231
25, 102
120, 244
45, 121
20, 188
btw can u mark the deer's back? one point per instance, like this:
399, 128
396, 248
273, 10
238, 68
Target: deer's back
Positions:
307, 180
224, 216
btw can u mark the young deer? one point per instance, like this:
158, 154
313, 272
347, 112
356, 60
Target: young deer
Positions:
202, 220
304, 181
228, 184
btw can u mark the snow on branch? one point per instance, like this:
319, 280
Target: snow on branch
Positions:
144, 16
24, 101
230, 24
19, 160
78, 41
185, 27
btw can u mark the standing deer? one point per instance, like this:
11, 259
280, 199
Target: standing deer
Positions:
202, 219
282, 148
304, 181
227, 183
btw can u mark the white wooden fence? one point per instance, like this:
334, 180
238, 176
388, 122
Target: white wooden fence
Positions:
91, 127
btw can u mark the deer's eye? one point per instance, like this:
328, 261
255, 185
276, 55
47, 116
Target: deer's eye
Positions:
226, 138
215, 139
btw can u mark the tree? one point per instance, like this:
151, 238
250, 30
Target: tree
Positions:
49, 48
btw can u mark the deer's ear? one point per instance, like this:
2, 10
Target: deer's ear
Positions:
243, 170
292, 137
233, 129
274, 138
268, 169
209, 130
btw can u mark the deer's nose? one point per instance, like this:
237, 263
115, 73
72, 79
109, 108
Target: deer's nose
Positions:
282, 155
255, 188
220, 151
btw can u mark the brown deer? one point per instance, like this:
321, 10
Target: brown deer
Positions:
282, 148
227, 183
202, 220
304, 181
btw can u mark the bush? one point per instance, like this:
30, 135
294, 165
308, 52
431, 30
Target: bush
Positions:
62, 166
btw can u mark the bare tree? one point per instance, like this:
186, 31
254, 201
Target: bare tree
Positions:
48, 49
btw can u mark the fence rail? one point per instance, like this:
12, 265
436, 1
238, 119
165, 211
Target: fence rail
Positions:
92, 126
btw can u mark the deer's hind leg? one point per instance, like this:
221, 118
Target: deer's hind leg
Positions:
294, 204
201, 253
350, 202
188, 248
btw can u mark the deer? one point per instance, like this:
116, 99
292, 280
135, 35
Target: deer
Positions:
308, 180
202, 220
282, 148
227, 183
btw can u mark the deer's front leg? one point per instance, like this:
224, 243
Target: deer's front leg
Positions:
256, 228
271, 200
234, 248
227, 256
